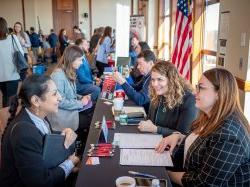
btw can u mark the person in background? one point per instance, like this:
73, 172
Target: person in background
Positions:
63, 40
135, 73
77, 33
134, 42
25, 43
9, 76
22, 144
11, 30
95, 39
217, 152
139, 93
172, 107
53, 39
85, 83
104, 50
64, 75
35, 43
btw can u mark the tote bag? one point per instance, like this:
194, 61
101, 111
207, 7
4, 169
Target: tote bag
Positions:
18, 58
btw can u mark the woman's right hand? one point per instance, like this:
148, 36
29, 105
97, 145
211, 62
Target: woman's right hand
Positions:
86, 99
75, 160
170, 142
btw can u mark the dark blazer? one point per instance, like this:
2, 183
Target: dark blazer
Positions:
179, 118
22, 162
221, 159
139, 93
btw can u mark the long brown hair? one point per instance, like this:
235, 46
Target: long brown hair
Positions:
3, 29
21, 32
107, 33
176, 85
227, 103
70, 54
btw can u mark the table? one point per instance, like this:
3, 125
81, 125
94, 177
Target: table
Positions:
109, 169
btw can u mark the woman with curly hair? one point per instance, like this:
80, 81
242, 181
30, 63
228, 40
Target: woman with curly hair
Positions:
172, 106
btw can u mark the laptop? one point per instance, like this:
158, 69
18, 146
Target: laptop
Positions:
123, 61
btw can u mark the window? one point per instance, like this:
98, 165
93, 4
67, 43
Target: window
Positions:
211, 27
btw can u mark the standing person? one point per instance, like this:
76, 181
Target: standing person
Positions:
85, 83
95, 39
64, 76
77, 33
53, 39
134, 42
172, 107
35, 43
25, 43
9, 76
63, 40
217, 152
104, 50
22, 162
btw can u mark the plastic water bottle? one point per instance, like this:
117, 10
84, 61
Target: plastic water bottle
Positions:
155, 183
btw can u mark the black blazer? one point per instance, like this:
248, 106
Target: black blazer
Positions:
221, 159
22, 162
179, 118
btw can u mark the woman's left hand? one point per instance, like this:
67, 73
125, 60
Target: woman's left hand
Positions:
147, 126
70, 137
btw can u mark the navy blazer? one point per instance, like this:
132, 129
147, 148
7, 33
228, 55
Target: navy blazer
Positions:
221, 159
21, 162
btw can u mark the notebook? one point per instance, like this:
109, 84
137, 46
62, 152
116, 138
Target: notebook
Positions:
54, 152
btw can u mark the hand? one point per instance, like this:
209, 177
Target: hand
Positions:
98, 81
75, 160
70, 137
118, 77
86, 99
147, 126
170, 141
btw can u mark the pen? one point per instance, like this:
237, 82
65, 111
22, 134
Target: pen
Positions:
142, 174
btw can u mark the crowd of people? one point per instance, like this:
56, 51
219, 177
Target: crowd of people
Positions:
204, 129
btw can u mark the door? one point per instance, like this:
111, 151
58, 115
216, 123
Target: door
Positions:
65, 15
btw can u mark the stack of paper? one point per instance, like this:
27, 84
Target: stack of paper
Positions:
133, 140
145, 157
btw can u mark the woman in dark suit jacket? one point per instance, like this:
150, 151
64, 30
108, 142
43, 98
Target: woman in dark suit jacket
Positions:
217, 152
22, 163
172, 107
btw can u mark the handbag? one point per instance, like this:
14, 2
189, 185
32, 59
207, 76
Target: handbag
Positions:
18, 58
64, 119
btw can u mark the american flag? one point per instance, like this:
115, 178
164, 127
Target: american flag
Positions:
183, 37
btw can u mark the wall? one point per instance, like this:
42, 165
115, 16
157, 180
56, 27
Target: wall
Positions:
83, 7
238, 19
11, 11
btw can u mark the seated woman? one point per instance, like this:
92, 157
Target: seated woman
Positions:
172, 106
75, 111
217, 152
22, 161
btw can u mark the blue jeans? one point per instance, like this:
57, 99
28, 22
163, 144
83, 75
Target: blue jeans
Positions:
85, 89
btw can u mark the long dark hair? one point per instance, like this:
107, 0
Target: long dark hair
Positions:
3, 29
107, 33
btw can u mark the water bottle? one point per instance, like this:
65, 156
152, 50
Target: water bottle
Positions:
155, 183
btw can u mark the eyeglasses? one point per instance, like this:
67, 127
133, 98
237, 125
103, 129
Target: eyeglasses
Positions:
199, 87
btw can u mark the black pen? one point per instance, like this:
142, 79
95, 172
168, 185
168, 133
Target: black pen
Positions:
142, 174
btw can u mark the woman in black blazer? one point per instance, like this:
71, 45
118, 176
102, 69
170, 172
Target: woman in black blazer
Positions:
217, 152
22, 163
172, 104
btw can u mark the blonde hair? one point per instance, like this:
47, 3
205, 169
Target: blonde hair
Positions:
227, 103
70, 54
176, 85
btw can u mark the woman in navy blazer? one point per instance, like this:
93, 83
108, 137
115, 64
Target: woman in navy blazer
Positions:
217, 152
22, 162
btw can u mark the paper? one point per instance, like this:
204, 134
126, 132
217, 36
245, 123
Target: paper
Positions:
108, 103
133, 140
145, 157
93, 161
